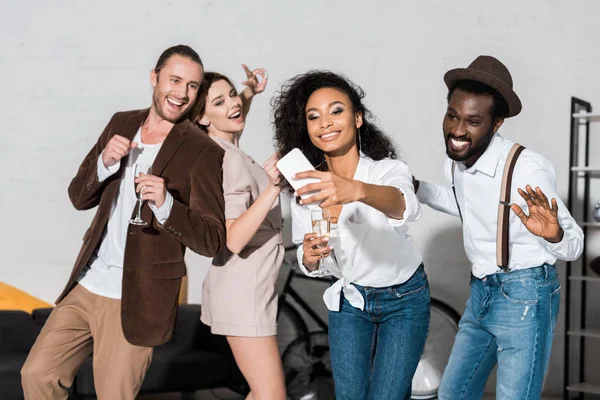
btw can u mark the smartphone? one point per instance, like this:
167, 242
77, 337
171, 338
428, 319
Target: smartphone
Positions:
292, 163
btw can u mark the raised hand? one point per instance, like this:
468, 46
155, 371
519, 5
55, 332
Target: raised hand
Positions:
252, 82
543, 217
151, 188
116, 148
271, 169
332, 190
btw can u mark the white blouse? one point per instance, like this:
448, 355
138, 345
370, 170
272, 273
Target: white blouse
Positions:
369, 248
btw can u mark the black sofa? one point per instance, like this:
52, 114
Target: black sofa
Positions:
194, 359
18, 332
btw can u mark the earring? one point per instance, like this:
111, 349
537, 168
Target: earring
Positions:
321, 163
358, 138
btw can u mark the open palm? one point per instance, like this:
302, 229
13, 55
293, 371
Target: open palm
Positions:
543, 215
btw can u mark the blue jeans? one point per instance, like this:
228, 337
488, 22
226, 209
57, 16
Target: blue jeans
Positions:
375, 352
509, 319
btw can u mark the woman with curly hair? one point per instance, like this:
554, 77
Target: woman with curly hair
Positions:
239, 299
379, 299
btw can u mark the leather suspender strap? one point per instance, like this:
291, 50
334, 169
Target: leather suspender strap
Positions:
502, 239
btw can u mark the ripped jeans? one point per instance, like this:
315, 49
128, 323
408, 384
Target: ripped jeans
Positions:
509, 319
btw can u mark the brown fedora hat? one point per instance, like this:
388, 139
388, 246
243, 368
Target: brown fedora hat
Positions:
490, 71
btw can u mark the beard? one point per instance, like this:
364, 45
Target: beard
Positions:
158, 100
474, 149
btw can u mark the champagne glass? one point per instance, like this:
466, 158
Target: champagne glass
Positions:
139, 169
321, 222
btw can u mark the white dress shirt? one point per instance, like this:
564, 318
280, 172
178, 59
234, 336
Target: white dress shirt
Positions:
369, 248
478, 194
104, 273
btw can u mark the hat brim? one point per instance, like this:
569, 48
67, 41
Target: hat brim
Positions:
511, 98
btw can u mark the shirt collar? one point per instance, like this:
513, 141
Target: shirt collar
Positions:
488, 161
227, 145
361, 174
362, 169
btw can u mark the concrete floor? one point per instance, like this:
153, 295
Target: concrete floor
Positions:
225, 394
210, 394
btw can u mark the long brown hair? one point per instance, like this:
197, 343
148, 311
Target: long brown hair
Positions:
209, 79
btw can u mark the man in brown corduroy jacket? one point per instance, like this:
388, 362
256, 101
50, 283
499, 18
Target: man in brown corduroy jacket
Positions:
121, 298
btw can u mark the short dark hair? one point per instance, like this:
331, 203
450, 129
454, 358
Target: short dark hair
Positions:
209, 79
499, 108
181, 50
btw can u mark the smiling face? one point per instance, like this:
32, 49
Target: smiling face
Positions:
331, 121
223, 113
176, 87
468, 125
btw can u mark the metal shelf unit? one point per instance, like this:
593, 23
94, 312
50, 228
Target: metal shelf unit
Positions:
581, 172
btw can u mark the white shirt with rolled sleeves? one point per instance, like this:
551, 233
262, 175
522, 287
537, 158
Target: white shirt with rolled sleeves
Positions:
478, 193
104, 274
369, 248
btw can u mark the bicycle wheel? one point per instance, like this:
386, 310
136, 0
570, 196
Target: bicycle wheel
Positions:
290, 325
443, 327
307, 368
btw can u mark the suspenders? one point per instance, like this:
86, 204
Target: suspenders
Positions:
502, 239
454, 191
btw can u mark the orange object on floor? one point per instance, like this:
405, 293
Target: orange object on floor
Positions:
12, 298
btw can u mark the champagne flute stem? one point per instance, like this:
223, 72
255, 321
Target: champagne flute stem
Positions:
140, 207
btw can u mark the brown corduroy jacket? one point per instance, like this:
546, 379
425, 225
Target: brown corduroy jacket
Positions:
191, 164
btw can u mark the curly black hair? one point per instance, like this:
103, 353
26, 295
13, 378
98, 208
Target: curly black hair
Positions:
289, 118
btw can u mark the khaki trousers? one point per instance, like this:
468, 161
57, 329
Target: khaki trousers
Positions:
81, 323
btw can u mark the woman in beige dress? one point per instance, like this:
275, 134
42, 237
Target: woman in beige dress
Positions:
239, 298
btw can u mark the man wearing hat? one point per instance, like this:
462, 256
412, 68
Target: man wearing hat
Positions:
510, 316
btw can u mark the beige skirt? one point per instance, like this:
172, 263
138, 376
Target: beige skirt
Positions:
239, 296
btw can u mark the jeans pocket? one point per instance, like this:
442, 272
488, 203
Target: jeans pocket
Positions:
400, 293
415, 285
520, 291
554, 307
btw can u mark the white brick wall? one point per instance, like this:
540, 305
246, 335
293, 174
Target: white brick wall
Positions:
66, 66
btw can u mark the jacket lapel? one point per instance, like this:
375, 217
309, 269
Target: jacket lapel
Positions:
128, 130
172, 142
133, 124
